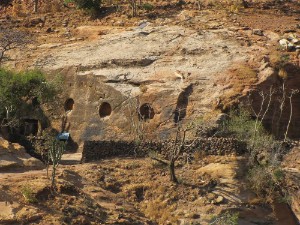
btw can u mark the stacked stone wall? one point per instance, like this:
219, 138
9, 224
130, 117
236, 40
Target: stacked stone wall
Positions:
96, 150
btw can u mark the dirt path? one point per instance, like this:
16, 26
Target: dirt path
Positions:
15, 174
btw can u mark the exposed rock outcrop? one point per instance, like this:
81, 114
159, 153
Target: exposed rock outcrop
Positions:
14, 156
291, 165
171, 69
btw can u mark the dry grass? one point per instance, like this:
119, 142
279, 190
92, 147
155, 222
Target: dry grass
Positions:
160, 211
18, 10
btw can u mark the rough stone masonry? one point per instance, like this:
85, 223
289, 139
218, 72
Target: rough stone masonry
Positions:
96, 150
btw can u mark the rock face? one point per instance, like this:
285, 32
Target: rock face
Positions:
269, 80
291, 164
158, 75
14, 156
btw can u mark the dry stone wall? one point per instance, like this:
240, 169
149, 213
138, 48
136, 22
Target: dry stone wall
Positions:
96, 150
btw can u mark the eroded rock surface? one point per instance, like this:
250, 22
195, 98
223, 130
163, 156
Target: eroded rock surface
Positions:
291, 164
172, 69
14, 156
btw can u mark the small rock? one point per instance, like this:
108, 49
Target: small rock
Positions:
258, 32
65, 23
284, 42
195, 216
295, 41
49, 30
34, 22
219, 199
289, 31
211, 196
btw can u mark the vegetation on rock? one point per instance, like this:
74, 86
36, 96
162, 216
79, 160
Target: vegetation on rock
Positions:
18, 89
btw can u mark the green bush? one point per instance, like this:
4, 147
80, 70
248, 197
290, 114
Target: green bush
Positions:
226, 218
28, 194
91, 7
265, 176
88, 4
266, 181
243, 127
16, 88
147, 6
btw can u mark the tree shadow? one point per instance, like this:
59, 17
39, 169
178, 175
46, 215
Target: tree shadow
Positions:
182, 103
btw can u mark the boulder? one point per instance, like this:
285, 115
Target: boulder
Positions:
14, 156
8, 211
258, 32
34, 22
219, 200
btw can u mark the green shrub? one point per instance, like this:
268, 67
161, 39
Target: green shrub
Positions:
28, 194
17, 88
265, 176
88, 4
266, 181
226, 218
147, 6
68, 1
242, 127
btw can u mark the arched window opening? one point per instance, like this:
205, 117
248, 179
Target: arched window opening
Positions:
69, 104
105, 110
146, 112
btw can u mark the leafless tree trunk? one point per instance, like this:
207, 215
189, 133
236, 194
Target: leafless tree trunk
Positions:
198, 4
177, 150
281, 107
172, 171
133, 4
262, 111
293, 92
35, 6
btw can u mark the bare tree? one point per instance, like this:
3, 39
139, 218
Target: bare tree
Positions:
281, 99
133, 4
11, 39
266, 99
293, 92
176, 150
35, 6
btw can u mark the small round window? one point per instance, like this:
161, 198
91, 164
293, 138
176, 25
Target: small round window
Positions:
69, 104
105, 110
146, 112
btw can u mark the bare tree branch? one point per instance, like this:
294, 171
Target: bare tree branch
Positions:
293, 92
11, 39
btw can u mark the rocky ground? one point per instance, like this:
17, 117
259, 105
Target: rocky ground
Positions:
133, 191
